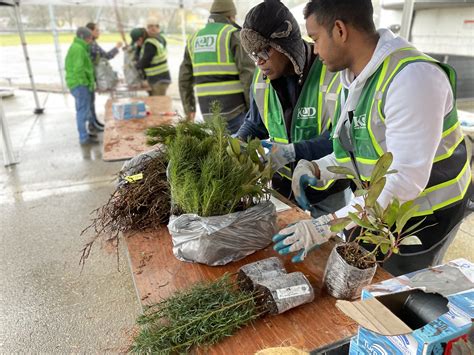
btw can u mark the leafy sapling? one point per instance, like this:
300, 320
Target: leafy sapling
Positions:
384, 228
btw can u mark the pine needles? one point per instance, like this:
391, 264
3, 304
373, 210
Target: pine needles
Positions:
133, 206
209, 173
202, 315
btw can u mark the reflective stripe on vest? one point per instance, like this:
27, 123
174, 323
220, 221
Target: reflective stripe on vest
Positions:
159, 63
367, 131
311, 116
313, 112
216, 74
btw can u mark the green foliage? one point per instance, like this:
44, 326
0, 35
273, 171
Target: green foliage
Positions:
164, 134
210, 173
201, 315
382, 227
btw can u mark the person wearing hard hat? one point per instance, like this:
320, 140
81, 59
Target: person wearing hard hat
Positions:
153, 60
218, 67
153, 29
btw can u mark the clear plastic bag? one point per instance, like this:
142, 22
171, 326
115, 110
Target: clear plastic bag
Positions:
133, 77
344, 281
251, 274
284, 292
136, 165
106, 77
219, 240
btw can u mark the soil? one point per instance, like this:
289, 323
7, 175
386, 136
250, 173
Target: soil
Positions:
264, 300
244, 282
354, 256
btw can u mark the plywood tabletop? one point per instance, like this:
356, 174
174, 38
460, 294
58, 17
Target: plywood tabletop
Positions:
123, 139
158, 274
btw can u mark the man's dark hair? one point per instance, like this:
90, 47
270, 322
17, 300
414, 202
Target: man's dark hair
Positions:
357, 13
91, 26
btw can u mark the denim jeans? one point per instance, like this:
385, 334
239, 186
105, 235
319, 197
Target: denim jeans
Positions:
234, 124
83, 99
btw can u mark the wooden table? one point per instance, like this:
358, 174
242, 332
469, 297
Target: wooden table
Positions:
123, 139
158, 274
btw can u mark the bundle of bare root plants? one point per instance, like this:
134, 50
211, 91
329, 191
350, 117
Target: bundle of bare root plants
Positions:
140, 201
207, 312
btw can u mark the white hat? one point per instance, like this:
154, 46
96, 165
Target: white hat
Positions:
152, 20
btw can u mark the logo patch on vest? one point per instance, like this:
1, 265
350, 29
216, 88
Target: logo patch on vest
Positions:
205, 43
305, 113
360, 122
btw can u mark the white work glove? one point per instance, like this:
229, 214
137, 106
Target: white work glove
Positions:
303, 175
303, 236
280, 154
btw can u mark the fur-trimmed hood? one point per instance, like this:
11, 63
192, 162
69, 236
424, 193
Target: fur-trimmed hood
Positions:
272, 24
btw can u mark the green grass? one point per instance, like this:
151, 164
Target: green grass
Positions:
13, 39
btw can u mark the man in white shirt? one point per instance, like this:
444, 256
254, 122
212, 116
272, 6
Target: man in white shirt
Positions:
394, 99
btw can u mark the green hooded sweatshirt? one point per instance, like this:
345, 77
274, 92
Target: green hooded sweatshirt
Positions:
79, 68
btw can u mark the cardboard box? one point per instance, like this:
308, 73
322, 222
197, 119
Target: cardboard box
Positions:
126, 109
445, 297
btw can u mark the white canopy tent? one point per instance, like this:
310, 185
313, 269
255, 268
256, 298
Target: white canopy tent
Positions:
178, 4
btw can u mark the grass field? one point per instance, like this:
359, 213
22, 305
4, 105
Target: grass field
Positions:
13, 39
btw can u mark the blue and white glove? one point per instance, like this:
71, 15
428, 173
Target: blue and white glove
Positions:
303, 236
280, 154
303, 175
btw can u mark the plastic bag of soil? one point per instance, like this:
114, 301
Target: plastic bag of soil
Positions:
106, 77
284, 292
219, 240
344, 281
251, 274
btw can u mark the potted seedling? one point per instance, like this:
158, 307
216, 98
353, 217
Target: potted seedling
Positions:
381, 230
219, 191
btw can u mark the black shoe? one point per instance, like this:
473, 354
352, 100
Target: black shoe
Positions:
96, 126
90, 140
92, 129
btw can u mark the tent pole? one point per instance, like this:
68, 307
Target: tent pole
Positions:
98, 15
183, 20
407, 19
57, 46
38, 110
8, 157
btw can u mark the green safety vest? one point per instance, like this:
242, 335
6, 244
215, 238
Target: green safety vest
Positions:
311, 116
159, 63
450, 174
215, 72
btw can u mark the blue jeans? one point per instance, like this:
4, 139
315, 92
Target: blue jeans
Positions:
234, 124
93, 114
83, 100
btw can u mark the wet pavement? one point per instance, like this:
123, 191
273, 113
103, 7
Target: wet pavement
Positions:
47, 305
